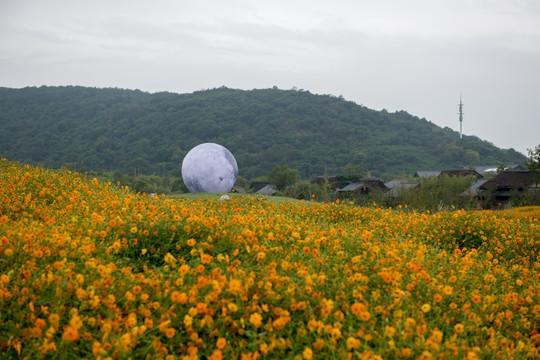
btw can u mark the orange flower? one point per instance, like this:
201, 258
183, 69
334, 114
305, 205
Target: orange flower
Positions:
318, 344
201, 308
206, 259
70, 334
170, 332
364, 316
221, 342
357, 308
179, 297
216, 355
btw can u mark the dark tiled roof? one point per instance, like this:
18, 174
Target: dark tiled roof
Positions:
268, 190
461, 172
374, 183
510, 179
371, 183
258, 185
351, 187
473, 190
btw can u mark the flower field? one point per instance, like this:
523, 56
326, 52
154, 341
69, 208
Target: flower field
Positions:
89, 270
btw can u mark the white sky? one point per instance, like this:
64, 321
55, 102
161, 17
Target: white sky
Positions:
415, 55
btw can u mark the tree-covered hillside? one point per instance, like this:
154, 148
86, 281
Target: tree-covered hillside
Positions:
130, 130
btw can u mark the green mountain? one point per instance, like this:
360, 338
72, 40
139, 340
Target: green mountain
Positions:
131, 130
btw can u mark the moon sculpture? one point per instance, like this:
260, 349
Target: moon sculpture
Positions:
209, 168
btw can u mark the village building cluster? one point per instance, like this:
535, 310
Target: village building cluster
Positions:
500, 187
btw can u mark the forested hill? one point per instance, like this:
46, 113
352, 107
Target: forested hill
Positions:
130, 130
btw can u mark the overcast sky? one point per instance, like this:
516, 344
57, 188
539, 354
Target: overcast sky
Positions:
416, 55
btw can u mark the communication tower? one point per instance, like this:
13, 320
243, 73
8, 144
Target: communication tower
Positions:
460, 117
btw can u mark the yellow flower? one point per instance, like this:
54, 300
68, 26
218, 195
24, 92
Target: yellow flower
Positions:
232, 307
76, 322
426, 308
307, 354
188, 320
125, 341
352, 343
389, 331
235, 286
447, 290
97, 349
255, 319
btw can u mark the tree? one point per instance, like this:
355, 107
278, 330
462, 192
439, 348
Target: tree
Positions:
353, 170
533, 162
283, 176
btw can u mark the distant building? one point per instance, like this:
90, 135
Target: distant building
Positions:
238, 189
474, 189
483, 169
426, 173
267, 190
397, 186
461, 173
363, 187
509, 184
263, 188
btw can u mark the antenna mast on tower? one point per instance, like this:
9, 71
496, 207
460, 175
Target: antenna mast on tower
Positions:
460, 117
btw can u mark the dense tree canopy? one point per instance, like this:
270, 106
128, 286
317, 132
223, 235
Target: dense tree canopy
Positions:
533, 162
283, 176
136, 132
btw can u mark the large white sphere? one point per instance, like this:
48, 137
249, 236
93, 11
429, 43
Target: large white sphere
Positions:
209, 168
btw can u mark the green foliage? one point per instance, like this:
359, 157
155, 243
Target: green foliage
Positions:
242, 182
432, 193
283, 176
351, 170
443, 192
305, 191
533, 162
136, 132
